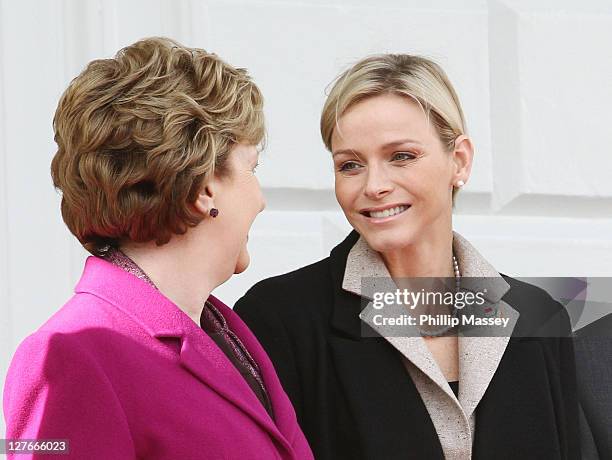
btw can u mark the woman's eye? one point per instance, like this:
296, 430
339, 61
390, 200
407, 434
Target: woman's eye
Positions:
403, 156
348, 166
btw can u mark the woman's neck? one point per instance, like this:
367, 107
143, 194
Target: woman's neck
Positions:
178, 274
430, 257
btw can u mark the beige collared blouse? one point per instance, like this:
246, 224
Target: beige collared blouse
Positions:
453, 417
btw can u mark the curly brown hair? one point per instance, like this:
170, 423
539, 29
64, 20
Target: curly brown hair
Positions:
138, 134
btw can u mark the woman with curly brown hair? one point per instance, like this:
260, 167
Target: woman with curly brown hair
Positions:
155, 162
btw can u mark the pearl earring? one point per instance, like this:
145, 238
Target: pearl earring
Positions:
460, 183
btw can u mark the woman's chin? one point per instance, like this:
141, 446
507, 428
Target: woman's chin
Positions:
242, 264
387, 242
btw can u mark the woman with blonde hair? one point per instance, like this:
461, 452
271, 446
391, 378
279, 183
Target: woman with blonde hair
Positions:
157, 149
400, 151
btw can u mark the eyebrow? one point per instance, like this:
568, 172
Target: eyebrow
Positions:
385, 146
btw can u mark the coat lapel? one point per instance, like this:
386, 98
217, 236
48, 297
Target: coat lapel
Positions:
162, 319
363, 262
203, 358
479, 357
390, 418
284, 416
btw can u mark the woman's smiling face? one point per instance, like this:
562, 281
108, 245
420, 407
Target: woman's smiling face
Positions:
393, 177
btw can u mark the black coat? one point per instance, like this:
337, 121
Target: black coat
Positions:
355, 400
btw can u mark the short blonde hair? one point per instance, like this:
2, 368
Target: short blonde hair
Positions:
415, 77
138, 134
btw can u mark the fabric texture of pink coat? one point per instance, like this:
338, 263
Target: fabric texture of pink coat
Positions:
122, 373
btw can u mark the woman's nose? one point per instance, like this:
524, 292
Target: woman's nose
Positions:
377, 184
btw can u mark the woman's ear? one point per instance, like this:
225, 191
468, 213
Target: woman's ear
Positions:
206, 198
462, 157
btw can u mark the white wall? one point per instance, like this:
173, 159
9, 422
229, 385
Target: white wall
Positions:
534, 78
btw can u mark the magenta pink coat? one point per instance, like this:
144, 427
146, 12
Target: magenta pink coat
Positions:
122, 373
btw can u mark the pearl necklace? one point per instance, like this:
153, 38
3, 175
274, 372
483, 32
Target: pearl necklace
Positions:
444, 329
